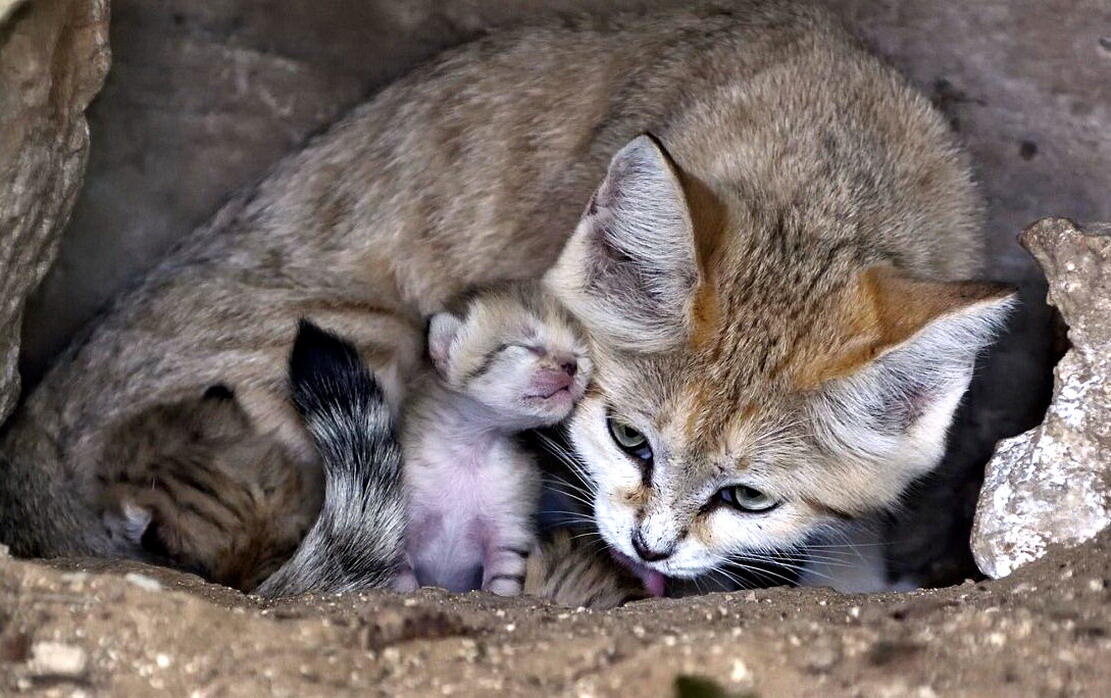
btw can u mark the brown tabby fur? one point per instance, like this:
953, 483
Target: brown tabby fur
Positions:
573, 574
196, 490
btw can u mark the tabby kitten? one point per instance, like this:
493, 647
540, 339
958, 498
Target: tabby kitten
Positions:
190, 486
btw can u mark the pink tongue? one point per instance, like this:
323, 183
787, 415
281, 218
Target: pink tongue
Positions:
655, 583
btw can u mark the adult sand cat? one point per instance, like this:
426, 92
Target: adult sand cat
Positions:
770, 280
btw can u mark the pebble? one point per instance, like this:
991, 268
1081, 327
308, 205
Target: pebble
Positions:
143, 581
58, 659
740, 673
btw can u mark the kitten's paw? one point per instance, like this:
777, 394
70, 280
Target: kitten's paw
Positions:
405, 582
505, 585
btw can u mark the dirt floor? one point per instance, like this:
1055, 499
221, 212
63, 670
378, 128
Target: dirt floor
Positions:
74, 628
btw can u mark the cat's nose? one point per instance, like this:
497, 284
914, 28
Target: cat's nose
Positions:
646, 553
570, 367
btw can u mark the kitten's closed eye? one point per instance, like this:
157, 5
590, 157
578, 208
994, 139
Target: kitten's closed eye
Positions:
522, 348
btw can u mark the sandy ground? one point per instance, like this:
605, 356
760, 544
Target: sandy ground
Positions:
92, 628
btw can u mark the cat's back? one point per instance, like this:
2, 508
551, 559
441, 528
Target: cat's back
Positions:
477, 165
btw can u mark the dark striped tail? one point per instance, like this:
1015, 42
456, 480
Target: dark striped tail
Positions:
358, 539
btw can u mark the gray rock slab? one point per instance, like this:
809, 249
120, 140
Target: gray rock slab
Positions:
53, 57
1052, 484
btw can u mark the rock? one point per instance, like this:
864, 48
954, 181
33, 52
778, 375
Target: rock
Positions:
143, 581
53, 58
1052, 485
58, 660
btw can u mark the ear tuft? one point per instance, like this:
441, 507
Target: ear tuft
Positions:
630, 270
128, 521
904, 306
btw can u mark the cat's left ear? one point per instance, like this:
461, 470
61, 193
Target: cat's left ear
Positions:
890, 384
630, 270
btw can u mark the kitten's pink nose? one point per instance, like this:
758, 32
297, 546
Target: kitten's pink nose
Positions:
563, 362
549, 381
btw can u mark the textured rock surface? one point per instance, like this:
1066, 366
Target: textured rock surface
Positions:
1053, 483
53, 56
1045, 631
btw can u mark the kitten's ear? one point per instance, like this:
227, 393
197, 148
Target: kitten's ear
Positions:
442, 329
908, 364
630, 270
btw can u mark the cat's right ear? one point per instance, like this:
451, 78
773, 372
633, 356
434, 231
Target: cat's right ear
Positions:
630, 270
442, 329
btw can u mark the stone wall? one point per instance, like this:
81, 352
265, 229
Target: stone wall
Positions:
53, 57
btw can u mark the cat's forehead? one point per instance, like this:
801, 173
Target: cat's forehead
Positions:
702, 418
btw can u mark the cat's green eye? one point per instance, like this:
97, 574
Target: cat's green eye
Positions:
748, 499
629, 440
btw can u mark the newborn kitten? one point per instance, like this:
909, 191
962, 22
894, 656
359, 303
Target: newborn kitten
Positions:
504, 359
189, 485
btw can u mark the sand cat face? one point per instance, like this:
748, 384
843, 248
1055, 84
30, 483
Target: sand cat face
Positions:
760, 371
513, 349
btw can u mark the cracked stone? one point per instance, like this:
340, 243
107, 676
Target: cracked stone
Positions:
1052, 484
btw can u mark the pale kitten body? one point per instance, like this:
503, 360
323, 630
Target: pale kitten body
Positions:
472, 497
504, 359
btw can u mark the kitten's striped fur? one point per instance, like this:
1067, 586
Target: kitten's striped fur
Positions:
189, 485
